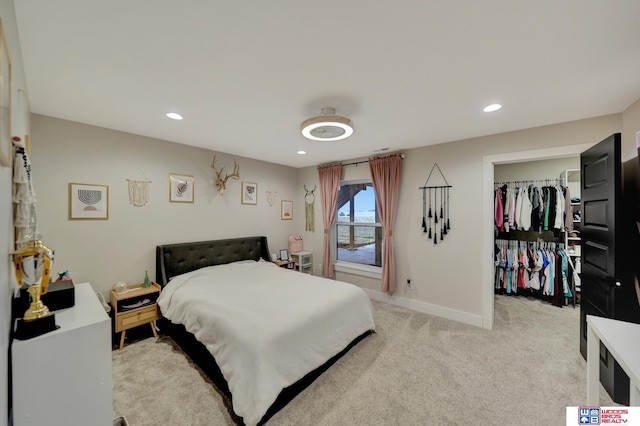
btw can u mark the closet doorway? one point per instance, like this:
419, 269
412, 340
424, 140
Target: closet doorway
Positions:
538, 242
489, 164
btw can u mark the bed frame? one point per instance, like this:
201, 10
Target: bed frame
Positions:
175, 259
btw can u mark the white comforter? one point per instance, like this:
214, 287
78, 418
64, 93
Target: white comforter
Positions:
267, 327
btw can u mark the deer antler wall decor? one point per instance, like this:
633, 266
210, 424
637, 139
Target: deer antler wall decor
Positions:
221, 183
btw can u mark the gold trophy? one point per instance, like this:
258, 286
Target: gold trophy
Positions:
33, 267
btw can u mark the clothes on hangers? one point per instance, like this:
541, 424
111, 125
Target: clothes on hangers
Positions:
532, 268
528, 206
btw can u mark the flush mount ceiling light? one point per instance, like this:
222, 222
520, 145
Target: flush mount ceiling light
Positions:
327, 127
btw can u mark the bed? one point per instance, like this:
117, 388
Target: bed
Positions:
260, 332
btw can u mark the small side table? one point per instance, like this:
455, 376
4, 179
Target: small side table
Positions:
304, 261
288, 264
137, 306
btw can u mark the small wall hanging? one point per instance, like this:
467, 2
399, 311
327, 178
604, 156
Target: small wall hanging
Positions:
438, 213
309, 208
271, 197
221, 182
138, 191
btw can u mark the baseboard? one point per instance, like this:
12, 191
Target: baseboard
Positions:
426, 308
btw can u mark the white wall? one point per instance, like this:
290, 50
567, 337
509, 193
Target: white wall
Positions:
123, 247
447, 279
535, 170
630, 126
7, 278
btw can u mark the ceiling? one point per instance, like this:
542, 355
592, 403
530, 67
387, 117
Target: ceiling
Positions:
246, 73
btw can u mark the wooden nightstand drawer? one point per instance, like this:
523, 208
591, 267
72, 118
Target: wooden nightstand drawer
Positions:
137, 317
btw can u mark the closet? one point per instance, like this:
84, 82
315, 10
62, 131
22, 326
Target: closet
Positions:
536, 243
536, 228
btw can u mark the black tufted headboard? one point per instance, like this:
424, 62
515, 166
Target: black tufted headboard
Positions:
176, 259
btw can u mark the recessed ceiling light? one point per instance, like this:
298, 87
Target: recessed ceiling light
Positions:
492, 107
174, 116
302, 152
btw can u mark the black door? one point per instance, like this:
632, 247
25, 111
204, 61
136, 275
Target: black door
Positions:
601, 253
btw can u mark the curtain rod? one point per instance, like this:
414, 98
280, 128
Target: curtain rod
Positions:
365, 161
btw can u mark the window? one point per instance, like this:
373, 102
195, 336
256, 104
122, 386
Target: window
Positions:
359, 233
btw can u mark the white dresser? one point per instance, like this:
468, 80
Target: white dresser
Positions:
64, 377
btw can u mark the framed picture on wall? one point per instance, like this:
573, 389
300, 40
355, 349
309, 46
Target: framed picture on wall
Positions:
6, 147
181, 188
286, 210
88, 201
249, 193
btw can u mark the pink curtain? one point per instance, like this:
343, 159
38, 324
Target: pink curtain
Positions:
329, 184
385, 175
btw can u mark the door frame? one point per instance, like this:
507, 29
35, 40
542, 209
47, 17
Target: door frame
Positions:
488, 314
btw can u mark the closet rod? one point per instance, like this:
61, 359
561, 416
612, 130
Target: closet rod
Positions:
529, 181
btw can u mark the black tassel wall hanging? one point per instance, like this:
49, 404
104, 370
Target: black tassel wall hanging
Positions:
430, 215
435, 216
439, 212
424, 210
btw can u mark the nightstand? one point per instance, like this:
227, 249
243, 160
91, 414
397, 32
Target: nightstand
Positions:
137, 306
288, 264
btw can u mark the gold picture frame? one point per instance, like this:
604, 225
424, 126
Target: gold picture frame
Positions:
249, 194
181, 188
286, 210
6, 147
88, 201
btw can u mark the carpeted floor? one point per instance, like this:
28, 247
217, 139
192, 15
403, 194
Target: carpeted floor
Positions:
416, 370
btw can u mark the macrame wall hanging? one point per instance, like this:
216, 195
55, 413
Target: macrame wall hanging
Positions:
23, 193
436, 218
310, 208
271, 197
139, 191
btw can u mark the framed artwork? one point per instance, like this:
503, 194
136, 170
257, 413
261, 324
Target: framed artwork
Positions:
286, 210
6, 148
88, 201
284, 254
181, 188
249, 193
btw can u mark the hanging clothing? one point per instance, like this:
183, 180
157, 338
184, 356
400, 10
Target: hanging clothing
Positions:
533, 269
499, 210
532, 208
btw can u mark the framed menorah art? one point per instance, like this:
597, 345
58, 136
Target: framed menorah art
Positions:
88, 201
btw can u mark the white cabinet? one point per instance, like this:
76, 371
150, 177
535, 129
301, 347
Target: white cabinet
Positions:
64, 377
304, 261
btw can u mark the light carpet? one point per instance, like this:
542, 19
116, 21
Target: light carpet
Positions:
417, 369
